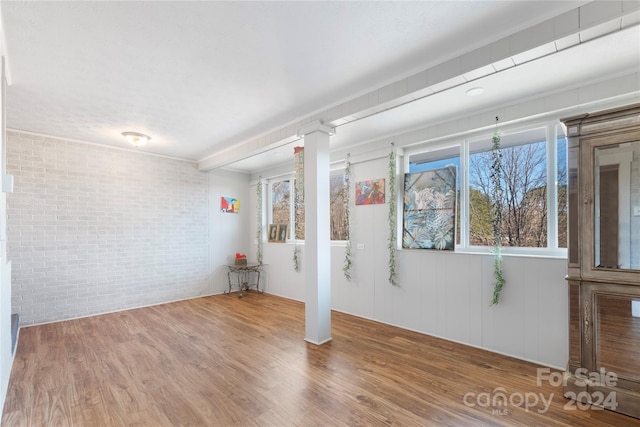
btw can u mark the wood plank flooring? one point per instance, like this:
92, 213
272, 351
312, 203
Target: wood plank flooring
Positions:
225, 361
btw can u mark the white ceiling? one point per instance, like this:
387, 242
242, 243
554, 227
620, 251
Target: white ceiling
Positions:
202, 76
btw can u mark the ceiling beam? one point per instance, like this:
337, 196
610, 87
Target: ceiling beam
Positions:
584, 23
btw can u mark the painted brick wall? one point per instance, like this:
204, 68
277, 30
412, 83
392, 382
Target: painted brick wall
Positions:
93, 229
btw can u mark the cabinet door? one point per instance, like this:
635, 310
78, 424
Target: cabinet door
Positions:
614, 332
611, 207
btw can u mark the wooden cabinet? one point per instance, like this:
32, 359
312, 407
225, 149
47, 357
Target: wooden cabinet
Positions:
604, 259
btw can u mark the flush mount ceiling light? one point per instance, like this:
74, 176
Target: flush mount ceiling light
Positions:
475, 91
135, 138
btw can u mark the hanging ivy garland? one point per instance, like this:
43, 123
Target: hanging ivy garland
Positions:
496, 216
346, 269
259, 219
298, 200
296, 256
392, 216
296, 248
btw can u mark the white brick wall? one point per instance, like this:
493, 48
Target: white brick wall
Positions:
94, 229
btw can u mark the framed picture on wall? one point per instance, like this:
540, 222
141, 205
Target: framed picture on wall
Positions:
229, 204
370, 192
430, 209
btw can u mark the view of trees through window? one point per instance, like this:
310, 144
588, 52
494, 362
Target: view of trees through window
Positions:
337, 202
561, 180
523, 201
282, 203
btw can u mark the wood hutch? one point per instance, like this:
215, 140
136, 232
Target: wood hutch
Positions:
604, 259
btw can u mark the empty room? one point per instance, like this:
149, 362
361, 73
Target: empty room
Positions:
322, 213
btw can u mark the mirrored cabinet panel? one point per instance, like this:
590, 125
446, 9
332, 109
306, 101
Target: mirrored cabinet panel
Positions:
617, 335
617, 206
604, 259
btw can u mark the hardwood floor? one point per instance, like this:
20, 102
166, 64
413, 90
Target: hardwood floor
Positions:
222, 361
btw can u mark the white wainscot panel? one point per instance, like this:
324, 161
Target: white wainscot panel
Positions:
353, 296
281, 278
461, 293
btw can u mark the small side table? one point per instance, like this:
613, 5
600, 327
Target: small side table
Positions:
243, 277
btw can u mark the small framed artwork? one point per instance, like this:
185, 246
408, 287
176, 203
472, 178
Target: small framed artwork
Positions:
370, 192
229, 204
273, 232
282, 232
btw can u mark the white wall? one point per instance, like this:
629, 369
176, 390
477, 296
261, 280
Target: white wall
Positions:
443, 294
6, 357
448, 294
94, 229
229, 233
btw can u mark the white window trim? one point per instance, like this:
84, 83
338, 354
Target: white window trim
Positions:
337, 170
552, 186
552, 250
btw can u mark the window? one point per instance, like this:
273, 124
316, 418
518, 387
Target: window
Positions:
436, 160
532, 217
284, 202
337, 199
523, 200
280, 202
561, 184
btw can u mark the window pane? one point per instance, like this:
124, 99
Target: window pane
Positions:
561, 180
523, 201
338, 208
421, 163
280, 202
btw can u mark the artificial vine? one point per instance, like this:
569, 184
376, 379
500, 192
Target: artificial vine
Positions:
296, 256
496, 216
346, 269
259, 216
392, 216
297, 190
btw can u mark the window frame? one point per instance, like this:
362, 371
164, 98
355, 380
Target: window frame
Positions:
292, 223
553, 130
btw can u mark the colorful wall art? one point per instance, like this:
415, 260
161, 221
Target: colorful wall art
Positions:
229, 204
429, 209
370, 192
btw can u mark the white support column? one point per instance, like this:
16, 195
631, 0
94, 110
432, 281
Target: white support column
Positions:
317, 258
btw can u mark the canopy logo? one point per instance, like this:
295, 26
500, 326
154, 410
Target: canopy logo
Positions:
499, 400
